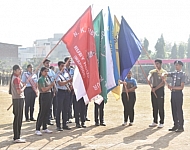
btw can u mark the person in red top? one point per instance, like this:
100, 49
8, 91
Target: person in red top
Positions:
16, 89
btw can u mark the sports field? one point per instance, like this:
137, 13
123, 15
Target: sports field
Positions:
113, 136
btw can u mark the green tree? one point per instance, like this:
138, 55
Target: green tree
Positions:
145, 45
181, 51
160, 52
174, 52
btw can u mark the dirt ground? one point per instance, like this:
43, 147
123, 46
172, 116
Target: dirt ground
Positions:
113, 136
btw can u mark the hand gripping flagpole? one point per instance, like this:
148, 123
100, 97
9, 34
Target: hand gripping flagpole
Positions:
40, 65
154, 64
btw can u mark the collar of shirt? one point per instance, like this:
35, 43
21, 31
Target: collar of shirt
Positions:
178, 71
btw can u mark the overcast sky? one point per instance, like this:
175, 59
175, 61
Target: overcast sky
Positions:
24, 21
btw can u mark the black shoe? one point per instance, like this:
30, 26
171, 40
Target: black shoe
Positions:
59, 129
97, 124
49, 123
173, 129
78, 126
179, 130
102, 124
82, 124
66, 128
27, 120
32, 119
87, 119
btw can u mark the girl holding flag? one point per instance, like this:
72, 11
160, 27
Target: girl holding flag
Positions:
16, 89
128, 98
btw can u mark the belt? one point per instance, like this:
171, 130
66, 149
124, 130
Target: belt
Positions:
176, 90
63, 90
28, 87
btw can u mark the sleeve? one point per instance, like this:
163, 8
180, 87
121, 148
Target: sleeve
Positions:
41, 83
183, 78
58, 78
16, 82
23, 78
135, 82
151, 72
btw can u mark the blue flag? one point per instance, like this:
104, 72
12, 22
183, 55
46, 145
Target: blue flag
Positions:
129, 48
112, 47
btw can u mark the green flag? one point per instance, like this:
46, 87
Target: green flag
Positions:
101, 52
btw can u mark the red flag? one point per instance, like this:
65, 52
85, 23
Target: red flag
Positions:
81, 45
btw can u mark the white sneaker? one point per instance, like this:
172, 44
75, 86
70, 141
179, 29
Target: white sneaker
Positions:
153, 125
124, 124
131, 123
20, 141
38, 133
47, 131
160, 125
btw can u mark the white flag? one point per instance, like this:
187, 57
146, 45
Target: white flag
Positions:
109, 62
78, 86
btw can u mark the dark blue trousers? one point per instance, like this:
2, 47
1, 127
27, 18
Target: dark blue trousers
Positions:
63, 99
79, 109
177, 111
99, 111
30, 97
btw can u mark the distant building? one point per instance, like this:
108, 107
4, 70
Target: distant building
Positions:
8, 55
42, 47
25, 54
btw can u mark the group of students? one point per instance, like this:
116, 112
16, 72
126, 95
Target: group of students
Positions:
56, 88
157, 80
4, 77
55, 91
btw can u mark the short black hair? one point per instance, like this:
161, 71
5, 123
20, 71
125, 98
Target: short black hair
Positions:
66, 59
60, 63
158, 60
46, 60
29, 65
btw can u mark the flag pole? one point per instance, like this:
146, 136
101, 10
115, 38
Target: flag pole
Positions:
146, 77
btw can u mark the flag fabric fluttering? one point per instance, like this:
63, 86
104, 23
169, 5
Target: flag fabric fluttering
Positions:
112, 47
109, 62
116, 90
80, 43
101, 52
129, 48
78, 86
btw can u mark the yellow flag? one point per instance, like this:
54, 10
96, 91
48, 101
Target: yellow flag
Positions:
116, 90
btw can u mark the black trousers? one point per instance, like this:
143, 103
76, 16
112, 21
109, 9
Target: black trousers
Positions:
158, 105
45, 102
99, 111
63, 98
86, 110
128, 105
177, 111
30, 97
18, 114
70, 104
79, 109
